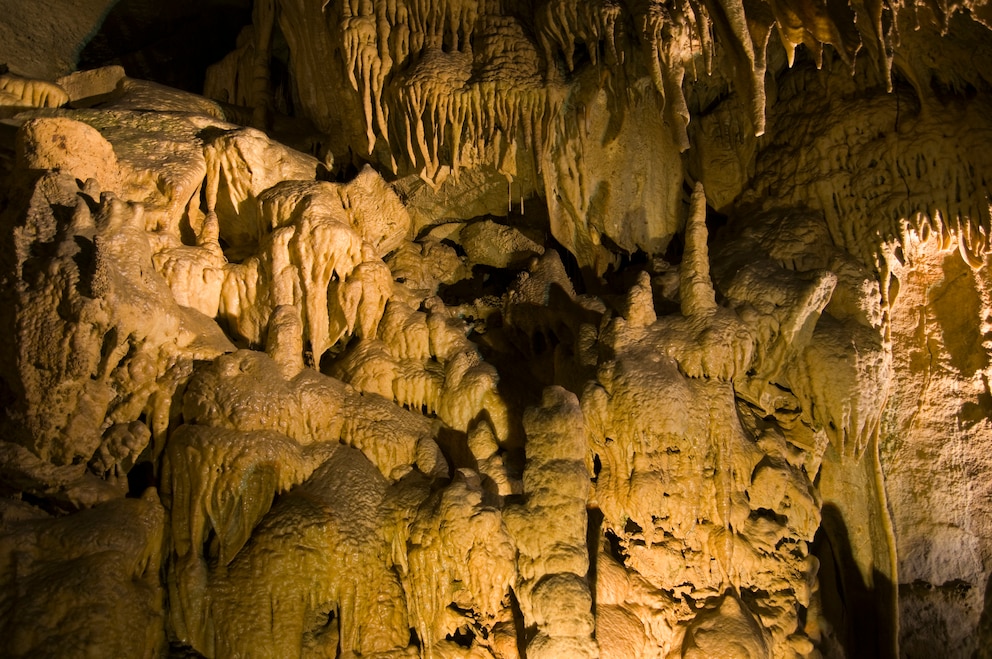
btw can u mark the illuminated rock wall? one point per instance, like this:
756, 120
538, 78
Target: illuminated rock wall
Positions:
481, 328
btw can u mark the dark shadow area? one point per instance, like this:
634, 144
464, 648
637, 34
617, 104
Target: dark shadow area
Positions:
985, 625
854, 610
715, 222
178, 650
523, 634
454, 446
140, 478
594, 535
171, 43
976, 411
485, 281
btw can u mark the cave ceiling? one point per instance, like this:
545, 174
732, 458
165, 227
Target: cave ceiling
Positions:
491, 328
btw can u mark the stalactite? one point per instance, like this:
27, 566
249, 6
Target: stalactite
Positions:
516, 394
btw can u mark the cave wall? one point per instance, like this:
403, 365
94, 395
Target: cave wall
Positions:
496, 329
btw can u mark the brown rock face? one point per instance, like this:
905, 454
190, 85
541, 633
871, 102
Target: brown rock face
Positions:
486, 328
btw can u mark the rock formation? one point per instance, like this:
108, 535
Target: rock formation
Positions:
485, 328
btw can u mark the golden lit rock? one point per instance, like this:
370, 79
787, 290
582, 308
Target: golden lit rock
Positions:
481, 328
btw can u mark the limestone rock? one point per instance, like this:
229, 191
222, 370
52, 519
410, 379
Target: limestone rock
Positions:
623, 329
72, 147
51, 596
92, 84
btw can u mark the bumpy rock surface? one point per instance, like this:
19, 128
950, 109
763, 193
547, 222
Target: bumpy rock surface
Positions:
481, 328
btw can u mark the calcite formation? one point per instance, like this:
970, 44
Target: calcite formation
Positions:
484, 328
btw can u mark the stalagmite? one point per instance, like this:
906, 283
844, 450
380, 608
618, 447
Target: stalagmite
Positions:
558, 329
459, 566
550, 530
696, 289
284, 343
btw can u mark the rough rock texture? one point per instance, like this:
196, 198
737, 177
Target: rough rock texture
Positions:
43, 39
486, 328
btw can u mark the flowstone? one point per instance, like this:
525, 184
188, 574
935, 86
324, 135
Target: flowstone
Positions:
458, 328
